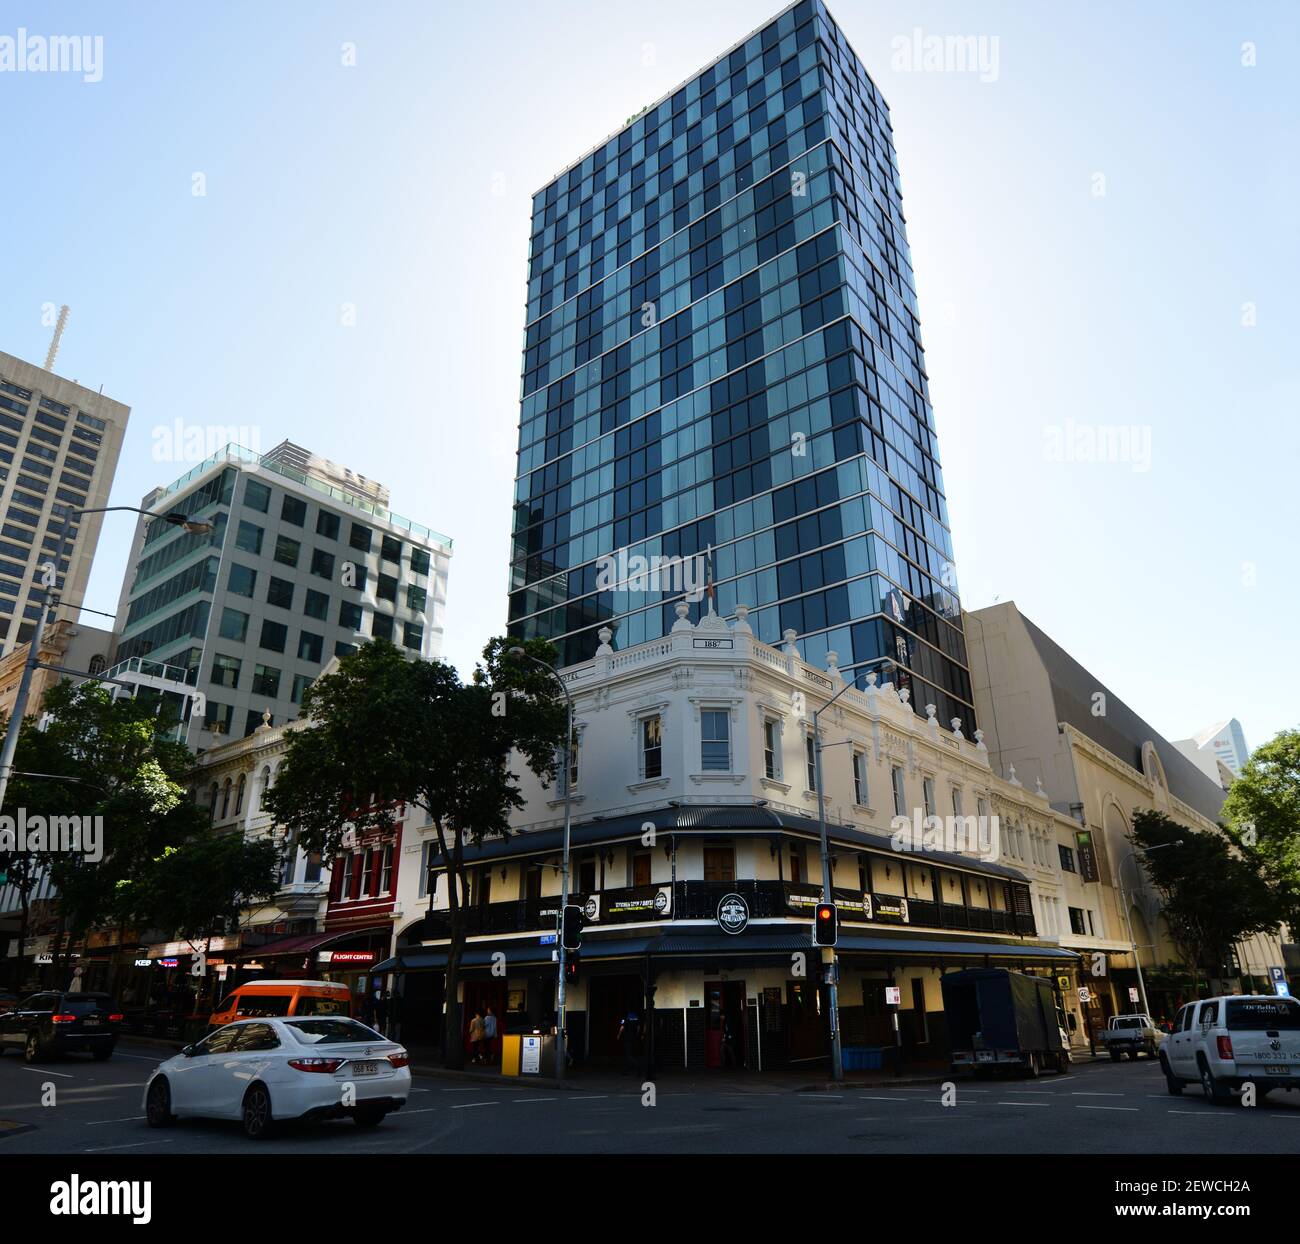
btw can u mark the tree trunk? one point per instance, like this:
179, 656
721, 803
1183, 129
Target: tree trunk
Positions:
453, 1047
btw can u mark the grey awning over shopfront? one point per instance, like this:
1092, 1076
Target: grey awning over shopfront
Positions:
686, 943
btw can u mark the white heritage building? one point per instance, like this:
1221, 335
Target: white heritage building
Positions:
692, 783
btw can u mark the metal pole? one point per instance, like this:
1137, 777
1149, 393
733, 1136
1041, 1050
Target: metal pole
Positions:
837, 1058
561, 1059
29, 667
560, 1041
1128, 921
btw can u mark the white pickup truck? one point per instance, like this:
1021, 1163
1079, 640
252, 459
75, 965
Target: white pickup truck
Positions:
1228, 1042
1132, 1035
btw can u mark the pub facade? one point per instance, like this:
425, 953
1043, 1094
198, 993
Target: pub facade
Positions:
695, 854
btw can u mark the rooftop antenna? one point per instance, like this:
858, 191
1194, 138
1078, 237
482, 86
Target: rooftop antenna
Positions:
58, 334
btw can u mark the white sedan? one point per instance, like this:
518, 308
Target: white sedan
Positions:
265, 1071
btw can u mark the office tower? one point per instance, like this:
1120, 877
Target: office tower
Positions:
1221, 744
59, 445
304, 562
723, 352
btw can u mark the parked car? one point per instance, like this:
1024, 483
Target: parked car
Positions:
269, 1071
999, 1020
54, 1023
8, 1001
1132, 1035
264, 999
1228, 1042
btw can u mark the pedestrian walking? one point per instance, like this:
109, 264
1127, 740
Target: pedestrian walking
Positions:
381, 1011
476, 1037
627, 1035
490, 1034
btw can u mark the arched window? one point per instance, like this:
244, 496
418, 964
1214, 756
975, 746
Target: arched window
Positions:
97, 664
263, 785
225, 799
239, 795
212, 802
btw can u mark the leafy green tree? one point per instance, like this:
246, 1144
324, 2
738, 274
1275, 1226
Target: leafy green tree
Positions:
1263, 815
386, 731
116, 759
1210, 896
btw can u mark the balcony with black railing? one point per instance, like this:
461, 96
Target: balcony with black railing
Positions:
698, 900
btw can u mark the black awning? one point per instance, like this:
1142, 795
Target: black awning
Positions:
704, 941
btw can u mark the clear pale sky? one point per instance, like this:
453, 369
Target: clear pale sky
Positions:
401, 185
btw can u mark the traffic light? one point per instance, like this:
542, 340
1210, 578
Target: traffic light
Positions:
826, 925
571, 927
571, 969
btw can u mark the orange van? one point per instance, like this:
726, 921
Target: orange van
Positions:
258, 999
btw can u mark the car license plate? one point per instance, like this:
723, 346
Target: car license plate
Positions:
1278, 1071
984, 1056
91, 1021
364, 1068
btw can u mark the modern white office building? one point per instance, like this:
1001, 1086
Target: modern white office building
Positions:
59, 445
1223, 743
304, 562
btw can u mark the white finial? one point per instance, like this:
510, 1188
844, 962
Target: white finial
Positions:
979, 741
266, 719
1038, 786
790, 635
930, 711
604, 635
1011, 776
956, 728
741, 625
905, 695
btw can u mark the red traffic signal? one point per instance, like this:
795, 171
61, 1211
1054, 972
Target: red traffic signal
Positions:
826, 925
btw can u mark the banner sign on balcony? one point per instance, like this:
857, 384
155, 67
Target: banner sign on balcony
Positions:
591, 909
890, 908
647, 901
733, 913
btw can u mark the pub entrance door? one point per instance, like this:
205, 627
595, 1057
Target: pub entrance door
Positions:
725, 1024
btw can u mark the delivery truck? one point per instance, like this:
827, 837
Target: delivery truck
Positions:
1003, 1021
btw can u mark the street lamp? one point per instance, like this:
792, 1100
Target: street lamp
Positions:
520, 655
837, 1057
1128, 920
193, 525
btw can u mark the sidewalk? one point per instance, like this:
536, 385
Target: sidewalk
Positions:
585, 1080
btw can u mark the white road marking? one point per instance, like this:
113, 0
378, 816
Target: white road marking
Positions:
523, 1101
598, 1097
1132, 1108
134, 1118
469, 1105
1036, 1105
45, 1071
144, 1058
1082, 1094
137, 1145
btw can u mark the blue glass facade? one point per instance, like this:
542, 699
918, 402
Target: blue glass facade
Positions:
723, 351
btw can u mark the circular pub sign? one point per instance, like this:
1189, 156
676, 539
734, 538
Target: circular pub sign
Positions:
733, 913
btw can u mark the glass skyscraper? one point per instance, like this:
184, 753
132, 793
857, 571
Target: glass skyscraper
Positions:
723, 352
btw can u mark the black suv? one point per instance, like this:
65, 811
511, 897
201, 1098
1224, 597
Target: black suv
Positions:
58, 1023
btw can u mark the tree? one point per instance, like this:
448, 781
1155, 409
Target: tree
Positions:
113, 763
1263, 815
386, 731
200, 886
1211, 897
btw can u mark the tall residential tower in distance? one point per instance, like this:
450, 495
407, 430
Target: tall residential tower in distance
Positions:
304, 562
723, 352
59, 445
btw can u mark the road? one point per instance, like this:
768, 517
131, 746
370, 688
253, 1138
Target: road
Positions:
1100, 1108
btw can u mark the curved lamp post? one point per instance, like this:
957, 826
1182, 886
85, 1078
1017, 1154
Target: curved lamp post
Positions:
560, 1058
176, 519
